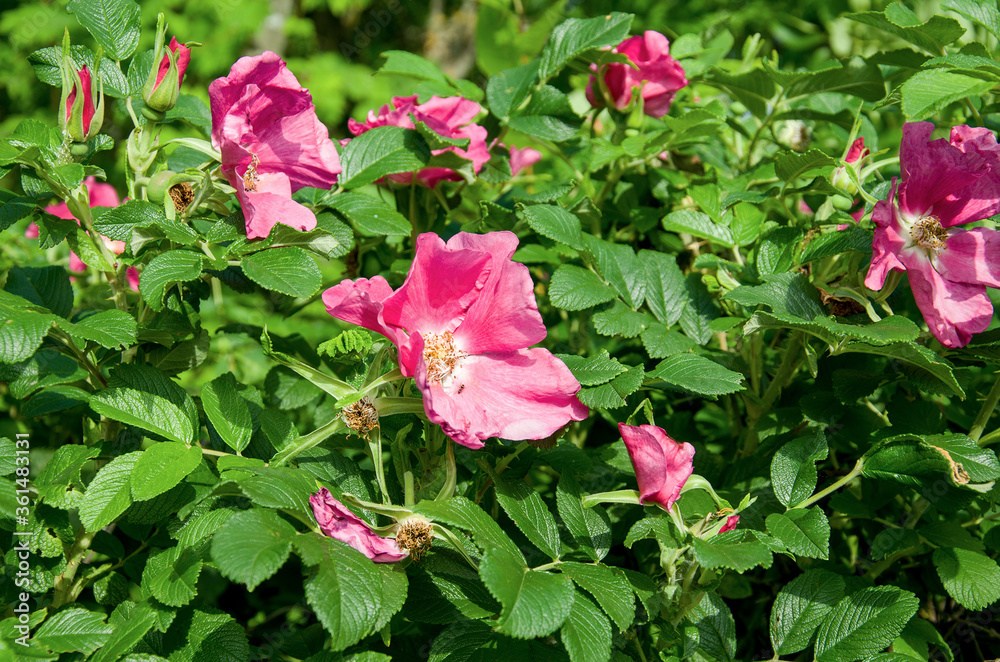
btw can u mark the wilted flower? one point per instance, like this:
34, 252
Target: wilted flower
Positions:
462, 322
944, 184
658, 75
272, 144
662, 465
336, 521
450, 117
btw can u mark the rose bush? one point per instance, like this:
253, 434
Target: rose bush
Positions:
605, 354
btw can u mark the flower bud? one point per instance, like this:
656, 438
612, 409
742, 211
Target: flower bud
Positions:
163, 83
855, 158
80, 119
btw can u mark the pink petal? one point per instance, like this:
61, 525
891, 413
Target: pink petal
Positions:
857, 151
657, 73
505, 315
935, 172
439, 289
266, 69
953, 311
887, 242
360, 302
662, 465
101, 194
76, 265
981, 198
270, 204
32, 230
523, 157
527, 394
339, 523
730, 524
971, 256
132, 276
299, 145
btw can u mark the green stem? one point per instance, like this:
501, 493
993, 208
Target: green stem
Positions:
789, 363
375, 453
617, 496
505, 462
63, 585
985, 412
314, 438
854, 473
451, 475
408, 492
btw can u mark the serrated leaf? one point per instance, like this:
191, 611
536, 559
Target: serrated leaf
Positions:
607, 586
48, 287
164, 271
506, 90
864, 623
575, 36
698, 224
288, 270
805, 532
665, 288
929, 91
612, 395
620, 320
785, 294
660, 342
22, 328
127, 634
228, 411
792, 165
554, 222
113, 23
980, 464
370, 214
575, 288
381, 151
205, 634
162, 467
146, 411
979, 12
800, 608
586, 634
526, 509
972, 578
727, 550
109, 494
716, 628
793, 467
74, 630
171, 575
109, 328
889, 330
698, 311
594, 370
590, 527
460, 512
535, 603
900, 21
696, 374
252, 545
851, 238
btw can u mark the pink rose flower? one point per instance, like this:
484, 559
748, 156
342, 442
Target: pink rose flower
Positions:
450, 117
101, 195
944, 185
658, 75
336, 521
272, 144
662, 465
523, 157
462, 322
730, 524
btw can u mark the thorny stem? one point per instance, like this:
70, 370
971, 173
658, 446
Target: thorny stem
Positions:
985, 412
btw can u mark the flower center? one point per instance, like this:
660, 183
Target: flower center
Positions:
361, 416
250, 177
441, 355
415, 535
927, 232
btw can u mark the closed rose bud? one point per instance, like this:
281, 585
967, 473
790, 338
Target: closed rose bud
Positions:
163, 84
855, 158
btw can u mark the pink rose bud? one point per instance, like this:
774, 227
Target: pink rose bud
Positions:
163, 84
658, 76
855, 158
81, 119
336, 521
662, 465
730, 524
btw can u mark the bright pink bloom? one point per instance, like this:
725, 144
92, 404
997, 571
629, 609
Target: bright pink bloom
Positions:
662, 465
101, 195
450, 117
523, 157
730, 524
658, 75
336, 521
272, 144
944, 185
183, 60
462, 322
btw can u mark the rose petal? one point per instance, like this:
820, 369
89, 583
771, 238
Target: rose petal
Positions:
662, 465
953, 311
339, 523
971, 256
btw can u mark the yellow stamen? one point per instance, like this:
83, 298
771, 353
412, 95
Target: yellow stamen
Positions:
441, 355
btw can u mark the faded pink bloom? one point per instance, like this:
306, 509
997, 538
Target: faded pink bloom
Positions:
272, 144
730, 524
462, 322
450, 117
944, 185
523, 157
662, 465
336, 521
658, 75
101, 195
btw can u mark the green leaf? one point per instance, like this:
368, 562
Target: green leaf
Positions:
731, 550
574, 36
699, 310
278, 487
979, 463
785, 293
800, 608
445, 589
145, 411
590, 527
554, 222
608, 586
586, 634
48, 287
460, 512
204, 634
891, 330
171, 575
612, 395
805, 532
698, 224
864, 623
980, 12
344, 589
929, 91
507, 90
593, 370
404, 63
22, 328
661, 342
576, 288
937, 367
793, 467
716, 628
113, 23
251, 546
851, 238
620, 320
109, 328
548, 115
164, 271
228, 411
526, 509
972, 578
74, 630
696, 374
382, 151
621, 267
665, 288
45, 368
854, 76
288, 270
897, 20
535, 603
109, 493
754, 88
369, 214
162, 467
120, 222
792, 165
128, 633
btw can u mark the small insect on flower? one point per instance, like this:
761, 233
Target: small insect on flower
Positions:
361, 416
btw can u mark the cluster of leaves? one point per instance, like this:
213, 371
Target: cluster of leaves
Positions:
175, 441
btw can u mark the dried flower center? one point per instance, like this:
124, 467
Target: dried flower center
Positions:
441, 355
250, 177
182, 195
927, 232
415, 535
361, 416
